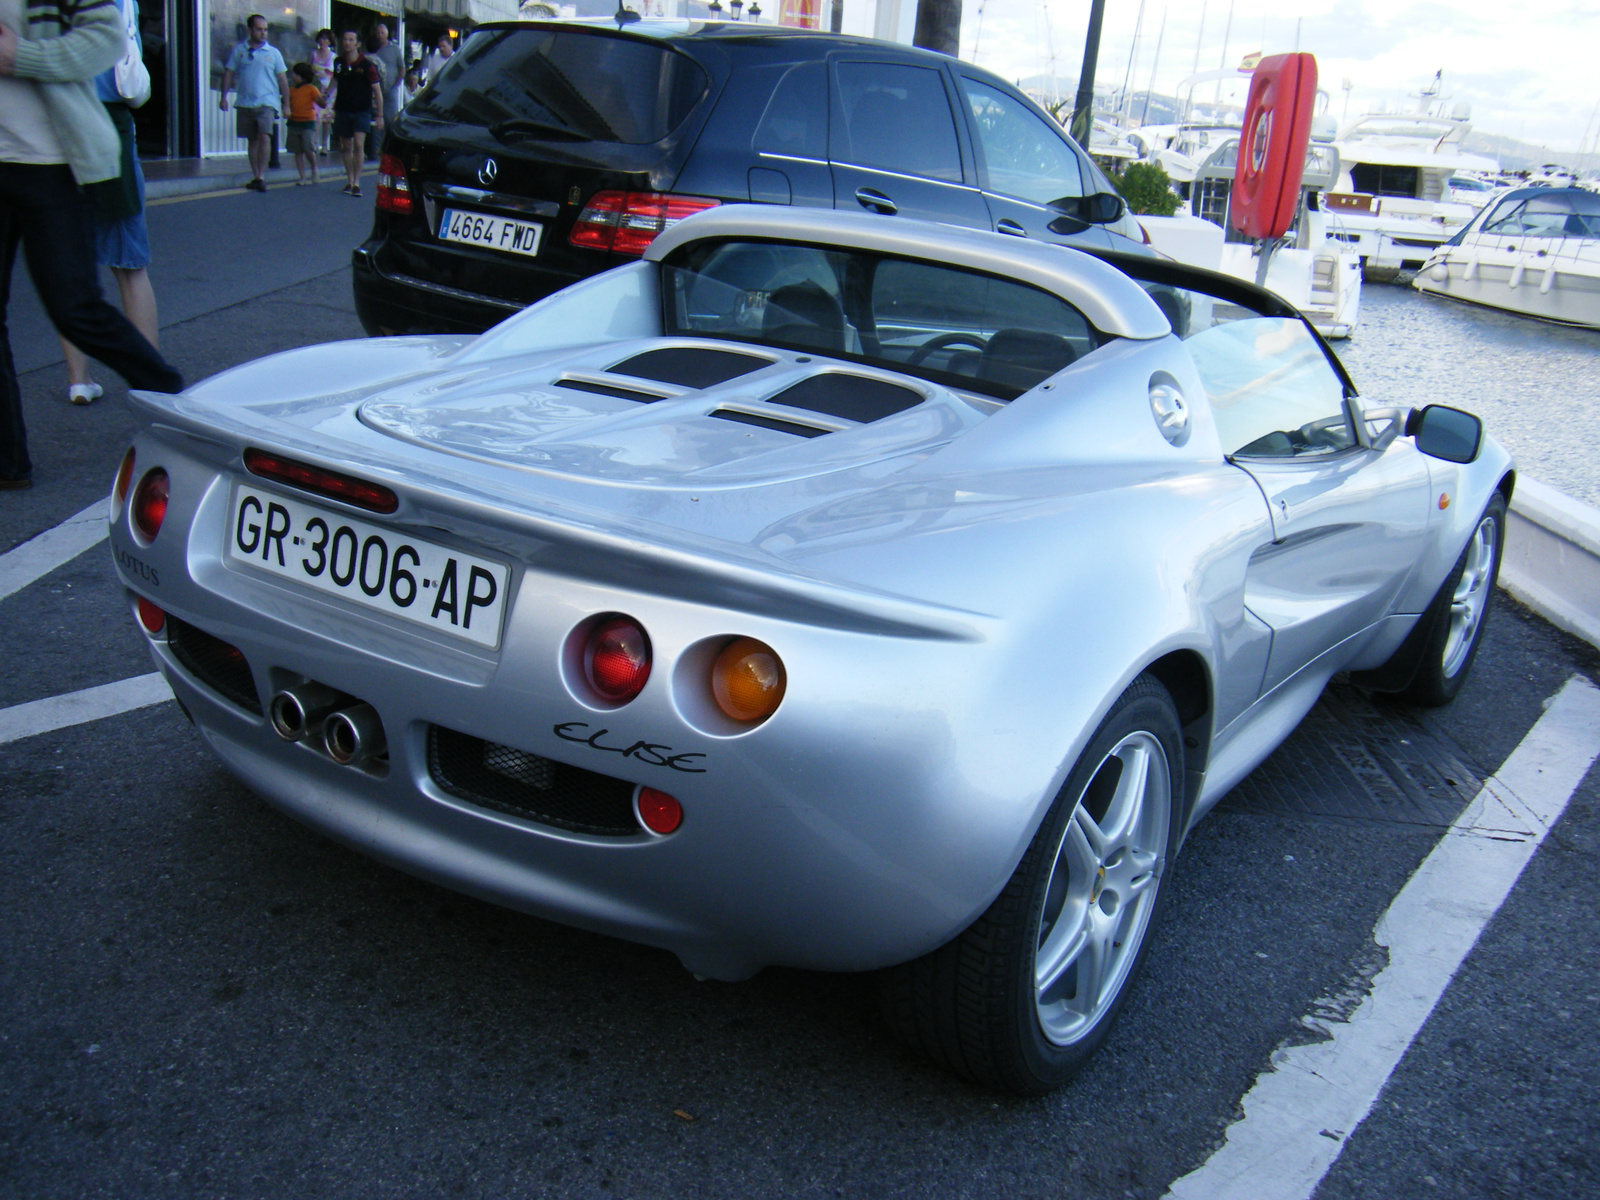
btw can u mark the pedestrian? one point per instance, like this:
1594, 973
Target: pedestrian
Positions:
413, 82
263, 94
121, 240
322, 59
357, 105
56, 141
443, 49
301, 140
391, 63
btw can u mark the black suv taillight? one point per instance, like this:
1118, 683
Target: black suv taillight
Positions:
627, 222
394, 189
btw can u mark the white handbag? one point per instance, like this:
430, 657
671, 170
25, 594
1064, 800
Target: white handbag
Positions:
133, 79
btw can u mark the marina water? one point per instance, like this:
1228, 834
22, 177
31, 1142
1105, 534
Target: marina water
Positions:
1536, 385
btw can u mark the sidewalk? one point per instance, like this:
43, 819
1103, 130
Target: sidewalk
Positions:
185, 176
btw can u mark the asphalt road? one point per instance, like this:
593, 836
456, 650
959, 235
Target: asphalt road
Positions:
201, 998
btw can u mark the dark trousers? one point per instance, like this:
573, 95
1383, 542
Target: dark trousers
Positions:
52, 218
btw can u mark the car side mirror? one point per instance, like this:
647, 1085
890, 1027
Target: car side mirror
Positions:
1104, 208
1447, 433
1080, 212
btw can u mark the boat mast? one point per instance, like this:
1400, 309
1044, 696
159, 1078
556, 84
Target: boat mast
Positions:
1154, 63
1200, 34
1127, 76
1222, 62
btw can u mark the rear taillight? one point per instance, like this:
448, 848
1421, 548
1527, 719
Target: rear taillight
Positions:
150, 503
372, 496
617, 659
394, 189
627, 222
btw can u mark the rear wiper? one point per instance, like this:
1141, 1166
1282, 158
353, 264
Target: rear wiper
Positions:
524, 125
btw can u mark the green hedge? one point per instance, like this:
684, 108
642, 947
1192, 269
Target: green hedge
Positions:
1148, 190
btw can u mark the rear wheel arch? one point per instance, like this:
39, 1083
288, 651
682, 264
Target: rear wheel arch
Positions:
1019, 1000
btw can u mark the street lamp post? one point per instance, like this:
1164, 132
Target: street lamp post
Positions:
1083, 112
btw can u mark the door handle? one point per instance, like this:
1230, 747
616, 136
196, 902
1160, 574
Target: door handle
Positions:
1007, 225
876, 201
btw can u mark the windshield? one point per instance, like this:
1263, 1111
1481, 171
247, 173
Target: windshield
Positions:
1553, 214
564, 83
958, 327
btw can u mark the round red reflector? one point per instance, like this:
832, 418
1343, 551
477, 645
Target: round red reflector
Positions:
618, 659
659, 812
150, 502
124, 476
151, 617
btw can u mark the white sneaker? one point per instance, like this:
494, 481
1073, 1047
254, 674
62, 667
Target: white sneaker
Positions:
85, 393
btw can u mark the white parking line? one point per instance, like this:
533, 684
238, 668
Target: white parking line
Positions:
40, 555
74, 708
1302, 1111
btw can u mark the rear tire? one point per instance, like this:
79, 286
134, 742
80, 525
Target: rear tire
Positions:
1459, 611
1021, 999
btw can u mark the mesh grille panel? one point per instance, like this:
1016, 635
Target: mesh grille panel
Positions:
213, 662
525, 785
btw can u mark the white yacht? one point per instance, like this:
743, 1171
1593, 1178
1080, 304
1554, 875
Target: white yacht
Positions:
1181, 149
1319, 275
1535, 251
1392, 201
1474, 189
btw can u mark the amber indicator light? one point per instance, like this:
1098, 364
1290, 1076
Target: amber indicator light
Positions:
124, 477
748, 680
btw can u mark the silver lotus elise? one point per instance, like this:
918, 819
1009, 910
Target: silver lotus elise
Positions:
835, 591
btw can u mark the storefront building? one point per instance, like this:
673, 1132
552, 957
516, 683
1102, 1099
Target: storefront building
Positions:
186, 43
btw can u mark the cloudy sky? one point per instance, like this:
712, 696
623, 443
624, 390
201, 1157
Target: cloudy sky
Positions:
1530, 72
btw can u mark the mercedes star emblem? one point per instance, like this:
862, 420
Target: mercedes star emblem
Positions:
487, 172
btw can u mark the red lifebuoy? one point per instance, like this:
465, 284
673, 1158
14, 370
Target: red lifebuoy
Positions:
1272, 148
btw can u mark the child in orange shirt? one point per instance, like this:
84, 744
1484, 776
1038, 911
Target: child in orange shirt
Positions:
301, 137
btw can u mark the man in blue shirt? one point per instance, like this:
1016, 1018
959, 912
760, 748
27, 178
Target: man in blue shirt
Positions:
263, 94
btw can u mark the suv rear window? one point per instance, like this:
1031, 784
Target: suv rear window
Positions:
565, 84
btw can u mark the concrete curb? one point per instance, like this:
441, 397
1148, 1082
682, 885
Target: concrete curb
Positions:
1552, 558
214, 180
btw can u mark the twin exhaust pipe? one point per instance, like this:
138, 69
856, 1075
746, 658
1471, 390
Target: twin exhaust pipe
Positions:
350, 730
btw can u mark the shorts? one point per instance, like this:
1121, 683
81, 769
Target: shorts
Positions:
124, 243
301, 138
348, 124
254, 122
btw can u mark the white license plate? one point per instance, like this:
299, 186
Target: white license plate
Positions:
384, 569
495, 233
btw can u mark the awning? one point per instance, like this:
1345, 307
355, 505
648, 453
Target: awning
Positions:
390, 8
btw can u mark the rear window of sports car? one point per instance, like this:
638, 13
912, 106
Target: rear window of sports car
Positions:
564, 85
954, 326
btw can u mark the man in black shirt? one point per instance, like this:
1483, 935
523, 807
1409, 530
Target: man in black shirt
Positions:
357, 105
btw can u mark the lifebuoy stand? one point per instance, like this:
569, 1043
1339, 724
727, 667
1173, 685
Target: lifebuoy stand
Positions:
1272, 148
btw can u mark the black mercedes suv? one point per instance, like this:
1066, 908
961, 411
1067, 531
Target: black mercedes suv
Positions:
546, 152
